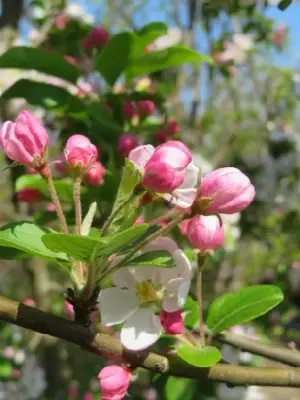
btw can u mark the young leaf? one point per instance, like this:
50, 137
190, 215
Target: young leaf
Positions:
242, 306
39, 60
115, 57
180, 389
119, 241
81, 248
164, 59
27, 237
158, 259
125, 202
88, 219
204, 357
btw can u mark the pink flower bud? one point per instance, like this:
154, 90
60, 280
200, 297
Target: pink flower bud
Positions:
29, 195
25, 140
168, 169
161, 136
173, 127
127, 143
114, 382
205, 232
80, 152
8, 352
29, 302
97, 38
145, 108
73, 391
69, 308
61, 21
94, 176
165, 170
129, 109
228, 189
51, 207
172, 322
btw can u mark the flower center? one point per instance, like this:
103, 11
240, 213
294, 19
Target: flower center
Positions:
147, 292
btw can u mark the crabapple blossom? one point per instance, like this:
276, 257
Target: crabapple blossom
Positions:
127, 143
139, 292
80, 152
172, 322
95, 174
114, 382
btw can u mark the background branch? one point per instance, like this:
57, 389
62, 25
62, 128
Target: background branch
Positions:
103, 344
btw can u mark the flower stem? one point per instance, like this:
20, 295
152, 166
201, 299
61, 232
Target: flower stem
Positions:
163, 218
149, 239
56, 201
77, 202
200, 307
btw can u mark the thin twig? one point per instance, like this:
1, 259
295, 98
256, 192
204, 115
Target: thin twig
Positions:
77, 202
200, 308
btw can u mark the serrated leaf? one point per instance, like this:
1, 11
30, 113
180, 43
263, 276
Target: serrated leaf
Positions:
165, 59
158, 259
27, 236
44, 95
39, 60
115, 57
242, 306
88, 219
203, 357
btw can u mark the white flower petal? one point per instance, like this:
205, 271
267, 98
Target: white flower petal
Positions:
141, 330
141, 154
183, 198
123, 278
183, 264
191, 177
176, 294
116, 305
146, 273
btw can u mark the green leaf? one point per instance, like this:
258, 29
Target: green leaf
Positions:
105, 121
39, 60
119, 241
180, 388
44, 95
242, 306
164, 59
284, 4
64, 187
191, 311
79, 247
9, 253
83, 248
115, 57
27, 237
204, 357
147, 35
125, 216
88, 219
6, 370
158, 259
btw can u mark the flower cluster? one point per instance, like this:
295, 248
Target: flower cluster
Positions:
147, 300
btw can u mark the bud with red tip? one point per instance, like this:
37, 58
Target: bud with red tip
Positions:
97, 38
95, 174
161, 136
80, 153
127, 143
25, 141
205, 232
129, 109
226, 191
114, 382
145, 108
172, 322
29, 195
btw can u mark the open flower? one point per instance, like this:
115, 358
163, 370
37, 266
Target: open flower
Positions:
141, 292
169, 170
